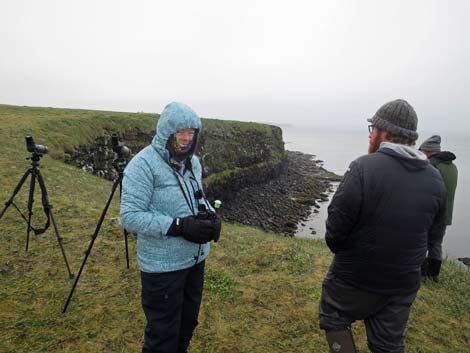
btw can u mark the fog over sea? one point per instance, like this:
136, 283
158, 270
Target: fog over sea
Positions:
337, 148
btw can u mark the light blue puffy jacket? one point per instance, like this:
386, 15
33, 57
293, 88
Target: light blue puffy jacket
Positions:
152, 198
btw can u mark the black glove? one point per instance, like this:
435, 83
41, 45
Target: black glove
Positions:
196, 230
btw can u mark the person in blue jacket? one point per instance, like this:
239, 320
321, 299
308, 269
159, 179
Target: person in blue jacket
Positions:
164, 203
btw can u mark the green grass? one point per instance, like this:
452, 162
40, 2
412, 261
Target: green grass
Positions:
261, 291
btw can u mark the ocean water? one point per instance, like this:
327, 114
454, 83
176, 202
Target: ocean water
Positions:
337, 148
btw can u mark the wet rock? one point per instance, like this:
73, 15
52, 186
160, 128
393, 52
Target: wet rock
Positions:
465, 260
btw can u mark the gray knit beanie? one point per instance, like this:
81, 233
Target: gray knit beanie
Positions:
432, 144
398, 117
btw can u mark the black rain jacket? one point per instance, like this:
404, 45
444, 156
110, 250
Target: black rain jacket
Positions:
380, 219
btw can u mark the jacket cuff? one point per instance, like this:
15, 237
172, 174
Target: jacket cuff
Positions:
175, 228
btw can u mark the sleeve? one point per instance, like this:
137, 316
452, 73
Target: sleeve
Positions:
344, 209
438, 228
137, 191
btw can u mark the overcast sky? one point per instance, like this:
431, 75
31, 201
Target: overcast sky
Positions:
319, 63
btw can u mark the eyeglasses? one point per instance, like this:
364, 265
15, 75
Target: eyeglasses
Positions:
190, 133
371, 128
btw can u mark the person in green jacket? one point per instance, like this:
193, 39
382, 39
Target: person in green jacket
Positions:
443, 162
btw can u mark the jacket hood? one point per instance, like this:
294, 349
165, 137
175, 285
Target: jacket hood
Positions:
410, 157
444, 157
175, 116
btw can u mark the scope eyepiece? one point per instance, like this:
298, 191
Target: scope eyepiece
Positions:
30, 143
115, 140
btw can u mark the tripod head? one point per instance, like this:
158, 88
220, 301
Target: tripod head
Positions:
37, 151
123, 153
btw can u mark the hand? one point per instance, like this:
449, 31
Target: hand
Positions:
198, 230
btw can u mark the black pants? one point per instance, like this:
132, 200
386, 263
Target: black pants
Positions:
171, 302
385, 317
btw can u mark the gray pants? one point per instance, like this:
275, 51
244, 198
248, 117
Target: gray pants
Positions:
385, 317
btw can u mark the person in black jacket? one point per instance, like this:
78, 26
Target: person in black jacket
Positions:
390, 203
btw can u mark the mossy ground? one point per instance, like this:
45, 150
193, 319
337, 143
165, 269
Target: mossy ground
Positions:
262, 290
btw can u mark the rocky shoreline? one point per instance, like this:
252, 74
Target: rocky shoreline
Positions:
282, 203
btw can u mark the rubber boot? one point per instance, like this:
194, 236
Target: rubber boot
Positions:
434, 268
340, 341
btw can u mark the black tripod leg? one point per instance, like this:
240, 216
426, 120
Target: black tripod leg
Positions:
127, 249
93, 238
59, 240
17, 189
30, 206
125, 231
48, 207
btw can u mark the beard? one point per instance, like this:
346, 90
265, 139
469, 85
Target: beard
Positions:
374, 144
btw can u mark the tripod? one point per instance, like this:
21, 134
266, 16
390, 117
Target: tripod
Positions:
36, 175
119, 164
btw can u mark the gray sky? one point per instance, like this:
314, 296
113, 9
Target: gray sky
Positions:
319, 63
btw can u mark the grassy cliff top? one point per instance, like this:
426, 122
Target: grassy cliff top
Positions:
262, 290
63, 129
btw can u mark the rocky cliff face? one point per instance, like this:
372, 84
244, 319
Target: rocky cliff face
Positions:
233, 154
